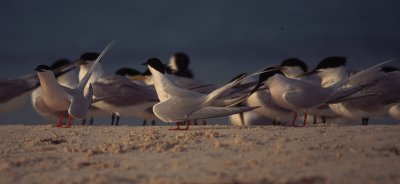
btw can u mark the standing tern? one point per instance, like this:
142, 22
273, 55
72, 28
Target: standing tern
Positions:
15, 93
136, 77
86, 62
386, 86
132, 100
182, 105
69, 79
299, 95
296, 68
60, 98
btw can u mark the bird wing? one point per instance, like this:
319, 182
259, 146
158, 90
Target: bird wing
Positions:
366, 76
338, 94
68, 91
292, 98
351, 97
121, 91
87, 76
218, 92
214, 112
10, 89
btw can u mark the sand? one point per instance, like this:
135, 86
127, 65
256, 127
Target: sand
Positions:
204, 154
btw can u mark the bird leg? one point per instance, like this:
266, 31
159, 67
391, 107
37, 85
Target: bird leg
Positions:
187, 125
84, 121
304, 122
112, 119
144, 122
69, 121
204, 122
294, 119
315, 119
323, 119
60, 124
178, 124
91, 121
116, 123
364, 121
187, 122
153, 122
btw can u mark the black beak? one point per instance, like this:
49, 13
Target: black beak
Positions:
62, 72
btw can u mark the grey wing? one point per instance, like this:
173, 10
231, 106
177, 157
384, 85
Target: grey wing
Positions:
305, 95
214, 112
122, 91
10, 89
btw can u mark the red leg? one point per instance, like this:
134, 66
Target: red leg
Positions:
304, 122
69, 121
60, 124
294, 119
187, 125
177, 128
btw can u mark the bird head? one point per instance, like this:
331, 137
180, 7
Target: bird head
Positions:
155, 64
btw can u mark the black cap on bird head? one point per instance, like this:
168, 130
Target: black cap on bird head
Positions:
156, 64
127, 71
332, 62
182, 60
60, 63
42, 68
89, 56
293, 62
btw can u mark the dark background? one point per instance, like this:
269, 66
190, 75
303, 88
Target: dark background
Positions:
223, 38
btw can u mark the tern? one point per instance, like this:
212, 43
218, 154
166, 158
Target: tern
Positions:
134, 99
179, 63
69, 79
299, 95
291, 68
60, 98
15, 93
138, 79
385, 85
86, 62
181, 105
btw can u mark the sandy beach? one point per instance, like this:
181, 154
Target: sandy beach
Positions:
204, 154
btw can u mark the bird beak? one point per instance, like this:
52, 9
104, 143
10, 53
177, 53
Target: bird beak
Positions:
62, 72
145, 63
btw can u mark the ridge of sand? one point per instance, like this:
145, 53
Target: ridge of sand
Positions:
204, 154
